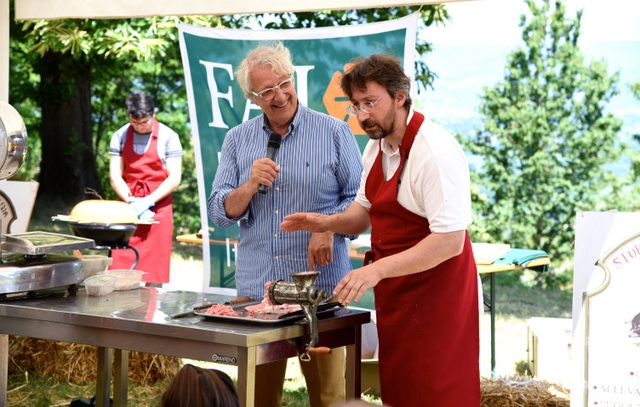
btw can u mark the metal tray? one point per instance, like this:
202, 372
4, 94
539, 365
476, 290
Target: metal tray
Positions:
270, 318
38, 243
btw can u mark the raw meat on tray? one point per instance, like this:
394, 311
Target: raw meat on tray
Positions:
262, 310
221, 309
266, 307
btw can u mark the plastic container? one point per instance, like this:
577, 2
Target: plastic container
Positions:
95, 263
126, 279
100, 285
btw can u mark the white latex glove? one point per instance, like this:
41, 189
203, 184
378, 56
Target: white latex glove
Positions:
140, 205
147, 215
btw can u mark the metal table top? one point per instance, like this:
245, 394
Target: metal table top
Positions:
149, 310
140, 320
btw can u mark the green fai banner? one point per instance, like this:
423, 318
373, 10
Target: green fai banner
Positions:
216, 102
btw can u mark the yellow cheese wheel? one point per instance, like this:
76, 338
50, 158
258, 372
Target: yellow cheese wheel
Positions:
101, 211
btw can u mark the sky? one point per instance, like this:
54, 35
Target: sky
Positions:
495, 22
469, 52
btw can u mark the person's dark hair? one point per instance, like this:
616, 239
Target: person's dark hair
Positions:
382, 69
139, 105
194, 386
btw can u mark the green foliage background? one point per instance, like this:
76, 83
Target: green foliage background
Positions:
544, 144
143, 54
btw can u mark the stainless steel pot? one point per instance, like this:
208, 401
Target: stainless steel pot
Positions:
13, 141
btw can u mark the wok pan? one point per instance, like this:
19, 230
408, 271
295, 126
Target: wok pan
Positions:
104, 234
108, 223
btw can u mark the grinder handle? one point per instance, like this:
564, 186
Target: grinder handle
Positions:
319, 350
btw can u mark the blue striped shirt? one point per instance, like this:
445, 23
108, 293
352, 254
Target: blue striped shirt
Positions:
320, 169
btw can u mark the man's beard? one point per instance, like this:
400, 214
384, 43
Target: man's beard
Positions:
375, 134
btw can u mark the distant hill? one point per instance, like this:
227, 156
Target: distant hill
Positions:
464, 70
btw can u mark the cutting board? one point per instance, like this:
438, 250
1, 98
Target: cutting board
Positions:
487, 253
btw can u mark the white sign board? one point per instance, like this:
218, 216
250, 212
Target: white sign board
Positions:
605, 360
17, 199
612, 329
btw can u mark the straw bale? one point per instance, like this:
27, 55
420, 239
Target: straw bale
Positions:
522, 391
77, 363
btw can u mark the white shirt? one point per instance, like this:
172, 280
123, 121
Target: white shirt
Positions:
435, 183
168, 144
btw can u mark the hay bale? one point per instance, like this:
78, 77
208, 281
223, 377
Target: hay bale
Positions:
522, 391
76, 363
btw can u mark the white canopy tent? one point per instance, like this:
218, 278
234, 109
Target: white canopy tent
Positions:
100, 9
57, 9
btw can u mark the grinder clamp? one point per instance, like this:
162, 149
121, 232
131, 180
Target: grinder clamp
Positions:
301, 291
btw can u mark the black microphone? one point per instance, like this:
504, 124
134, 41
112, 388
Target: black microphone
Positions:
272, 151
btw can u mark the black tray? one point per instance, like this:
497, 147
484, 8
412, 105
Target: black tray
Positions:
268, 318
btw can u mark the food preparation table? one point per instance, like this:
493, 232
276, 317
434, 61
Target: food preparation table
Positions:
486, 271
140, 320
490, 270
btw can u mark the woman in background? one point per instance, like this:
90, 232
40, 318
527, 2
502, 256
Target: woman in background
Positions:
194, 386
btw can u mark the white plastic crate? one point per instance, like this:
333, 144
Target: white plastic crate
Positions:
549, 349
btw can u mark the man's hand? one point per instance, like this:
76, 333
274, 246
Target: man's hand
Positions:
320, 250
313, 222
353, 286
263, 172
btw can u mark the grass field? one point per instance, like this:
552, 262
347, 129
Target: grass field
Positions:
515, 304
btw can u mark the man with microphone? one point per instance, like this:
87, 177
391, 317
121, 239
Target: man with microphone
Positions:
272, 151
288, 159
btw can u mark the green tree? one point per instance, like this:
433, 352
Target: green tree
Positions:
97, 63
69, 80
635, 158
545, 142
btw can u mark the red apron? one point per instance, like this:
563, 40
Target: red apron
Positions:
143, 174
428, 323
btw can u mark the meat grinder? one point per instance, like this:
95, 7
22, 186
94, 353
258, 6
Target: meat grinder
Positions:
304, 292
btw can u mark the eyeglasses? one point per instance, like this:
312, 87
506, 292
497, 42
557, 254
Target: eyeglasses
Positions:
353, 109
270, 93
141, 123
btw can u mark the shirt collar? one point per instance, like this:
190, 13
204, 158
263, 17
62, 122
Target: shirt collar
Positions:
386, 147
294, 124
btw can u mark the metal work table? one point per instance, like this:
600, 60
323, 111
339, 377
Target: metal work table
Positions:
139, 320
486, 271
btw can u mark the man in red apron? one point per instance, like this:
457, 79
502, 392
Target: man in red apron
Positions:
145, 167
415, 197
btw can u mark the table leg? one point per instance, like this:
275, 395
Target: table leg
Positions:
492, 301
353, 366
4, 368
246, 376
103, 382
490, 305
120, 377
